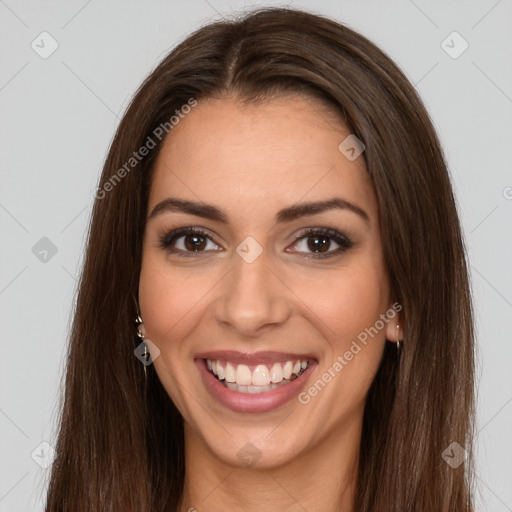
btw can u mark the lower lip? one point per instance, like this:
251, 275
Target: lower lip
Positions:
246, 402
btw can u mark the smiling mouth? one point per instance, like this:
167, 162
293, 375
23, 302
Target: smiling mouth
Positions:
254, 379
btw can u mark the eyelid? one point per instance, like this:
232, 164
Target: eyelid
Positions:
323, 230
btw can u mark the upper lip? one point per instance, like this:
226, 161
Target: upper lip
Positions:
266, 357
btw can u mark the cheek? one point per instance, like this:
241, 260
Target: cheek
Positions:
169, 301
169, 304
352, 299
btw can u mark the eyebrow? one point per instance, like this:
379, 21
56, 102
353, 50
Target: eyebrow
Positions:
288, 214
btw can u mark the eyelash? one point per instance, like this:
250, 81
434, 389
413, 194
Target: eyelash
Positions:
342, 240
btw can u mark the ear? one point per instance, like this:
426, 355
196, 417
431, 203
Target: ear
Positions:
395, 328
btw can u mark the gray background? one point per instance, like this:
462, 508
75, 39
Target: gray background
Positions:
58, 116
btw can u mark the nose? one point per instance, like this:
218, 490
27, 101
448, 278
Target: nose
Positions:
252, 298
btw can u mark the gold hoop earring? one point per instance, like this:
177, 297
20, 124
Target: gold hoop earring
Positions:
397, 340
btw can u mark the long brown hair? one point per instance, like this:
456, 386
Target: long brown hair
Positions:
120, 445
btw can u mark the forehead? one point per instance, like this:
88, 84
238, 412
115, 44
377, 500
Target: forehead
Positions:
259, 156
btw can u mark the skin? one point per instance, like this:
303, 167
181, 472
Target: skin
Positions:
251, 161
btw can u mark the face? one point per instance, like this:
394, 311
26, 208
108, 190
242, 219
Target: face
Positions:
262, 260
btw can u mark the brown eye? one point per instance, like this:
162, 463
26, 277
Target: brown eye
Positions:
187, 240
318, 243
195, 242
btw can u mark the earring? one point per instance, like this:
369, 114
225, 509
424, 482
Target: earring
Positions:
140, 334
397, 340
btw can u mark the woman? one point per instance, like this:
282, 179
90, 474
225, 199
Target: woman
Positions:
276, 213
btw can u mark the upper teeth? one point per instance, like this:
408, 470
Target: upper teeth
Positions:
261, 375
